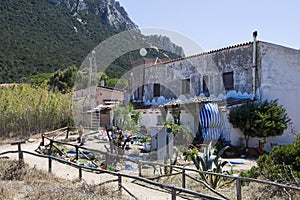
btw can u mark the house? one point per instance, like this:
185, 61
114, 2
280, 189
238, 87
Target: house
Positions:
94, 105
254, 70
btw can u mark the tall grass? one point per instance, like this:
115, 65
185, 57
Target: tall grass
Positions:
26, 110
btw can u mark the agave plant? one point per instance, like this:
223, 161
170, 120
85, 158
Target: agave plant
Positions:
170, 161
209, 162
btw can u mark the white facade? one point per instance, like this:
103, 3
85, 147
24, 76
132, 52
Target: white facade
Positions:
276, 76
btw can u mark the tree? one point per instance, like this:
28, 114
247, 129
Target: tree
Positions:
182, 133
63, 81
259, 119
101, 76
273, 119
118, 83
126, 117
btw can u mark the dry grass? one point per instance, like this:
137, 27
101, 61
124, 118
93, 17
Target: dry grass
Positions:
19, 182
250, 191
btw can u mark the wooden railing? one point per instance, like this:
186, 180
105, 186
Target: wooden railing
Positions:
182, 170
121, 186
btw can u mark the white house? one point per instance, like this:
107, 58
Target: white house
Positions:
253, 70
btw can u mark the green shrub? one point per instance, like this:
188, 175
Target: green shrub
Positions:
260, 119
282, 164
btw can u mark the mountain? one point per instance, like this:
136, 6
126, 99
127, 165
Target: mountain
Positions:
39, 36
108, 11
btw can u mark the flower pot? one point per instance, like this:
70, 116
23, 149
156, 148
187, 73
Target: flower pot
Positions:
229, 154
261, 145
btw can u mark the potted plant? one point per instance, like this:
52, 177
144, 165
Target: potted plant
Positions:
261, 143
169, 126
147, 144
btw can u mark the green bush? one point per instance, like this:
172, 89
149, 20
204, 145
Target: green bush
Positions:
260, 119
282, 164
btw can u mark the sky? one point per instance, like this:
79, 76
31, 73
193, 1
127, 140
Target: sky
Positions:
214, 24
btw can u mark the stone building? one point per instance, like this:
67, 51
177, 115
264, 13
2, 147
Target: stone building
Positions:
93, 106
253, 70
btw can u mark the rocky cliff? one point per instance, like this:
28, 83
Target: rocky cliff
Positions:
109, 12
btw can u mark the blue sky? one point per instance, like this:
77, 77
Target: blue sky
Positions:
214, 24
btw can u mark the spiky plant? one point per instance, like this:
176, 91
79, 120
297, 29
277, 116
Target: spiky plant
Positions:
209, 162
170, 161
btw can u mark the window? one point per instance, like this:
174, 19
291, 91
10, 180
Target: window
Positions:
186, 86
204, 85
156, 90
228, 80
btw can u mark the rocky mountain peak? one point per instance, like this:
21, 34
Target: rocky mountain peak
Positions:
110, 12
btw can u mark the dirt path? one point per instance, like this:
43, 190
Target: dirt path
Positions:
71, 173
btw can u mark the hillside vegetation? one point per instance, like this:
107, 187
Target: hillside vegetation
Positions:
37, 36
42, 37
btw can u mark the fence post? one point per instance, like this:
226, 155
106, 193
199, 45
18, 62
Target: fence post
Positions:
183, 178
80, 173
76, 156
21, 160
51, 144
43, 139
120, 182
140, 168
173, 194
68, 129
238, 189
49, 164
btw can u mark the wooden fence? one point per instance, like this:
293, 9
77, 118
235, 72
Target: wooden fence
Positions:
119, 175
174, 189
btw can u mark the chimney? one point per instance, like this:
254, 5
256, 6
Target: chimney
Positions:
254, 64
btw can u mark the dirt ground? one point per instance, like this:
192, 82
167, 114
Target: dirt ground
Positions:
71, 173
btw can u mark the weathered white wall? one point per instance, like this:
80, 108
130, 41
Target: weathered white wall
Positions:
187, 119
280, 79
149, 118
170, 75
238, 139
